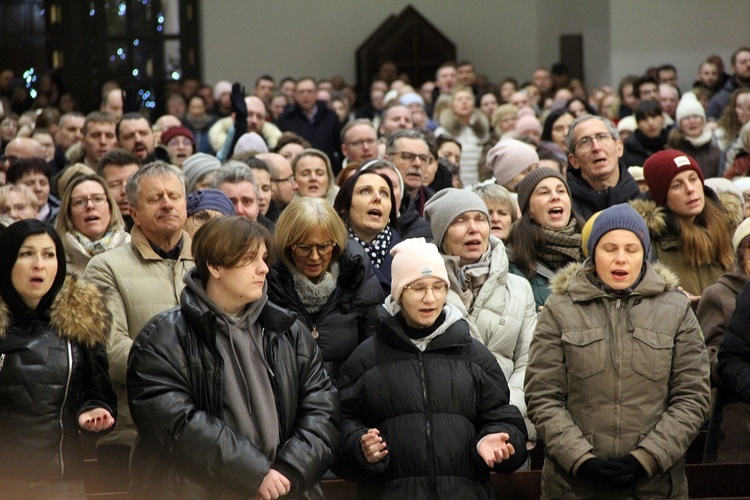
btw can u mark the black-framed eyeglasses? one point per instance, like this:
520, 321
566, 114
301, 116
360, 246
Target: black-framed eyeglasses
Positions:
79, 203
419, 290
286, 179
304, 250
410, 157
585, 143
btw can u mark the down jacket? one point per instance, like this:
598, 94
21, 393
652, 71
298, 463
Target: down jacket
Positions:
609, 376
503, 317
349, 316
175, 387
50, 373
432, 407
728, 439
138, 284
663, 227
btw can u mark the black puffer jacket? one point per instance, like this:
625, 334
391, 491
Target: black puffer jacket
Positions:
349, 316
175, 394
431, 408
50, 373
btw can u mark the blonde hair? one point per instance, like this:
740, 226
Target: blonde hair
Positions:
23, 189
300, 218
64, 223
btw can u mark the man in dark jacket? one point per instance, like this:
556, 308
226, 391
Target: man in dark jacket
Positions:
596, 178
740, 78
312, 120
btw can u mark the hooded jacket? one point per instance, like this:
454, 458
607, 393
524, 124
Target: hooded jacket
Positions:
50, 373
610, 376
663, 228
432, 407
503, 318
175, 388
587, 201
348, 318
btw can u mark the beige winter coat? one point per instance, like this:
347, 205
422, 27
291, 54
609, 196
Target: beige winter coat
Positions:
139, 284
607, 377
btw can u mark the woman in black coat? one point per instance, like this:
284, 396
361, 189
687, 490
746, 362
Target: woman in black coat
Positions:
325, 279
53, 365
425, 406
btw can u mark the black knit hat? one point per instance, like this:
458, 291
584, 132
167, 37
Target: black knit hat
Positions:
525, 188
621, 216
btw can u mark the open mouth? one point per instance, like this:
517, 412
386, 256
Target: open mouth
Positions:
93, 218
474, 244
556, 211
37, 280
375, 212
619, 274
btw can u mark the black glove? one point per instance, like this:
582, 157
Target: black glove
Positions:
631, 470
131, 101
599, 470
238, 103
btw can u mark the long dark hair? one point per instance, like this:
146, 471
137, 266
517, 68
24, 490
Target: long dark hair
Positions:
343, 201
11, 240
550, 121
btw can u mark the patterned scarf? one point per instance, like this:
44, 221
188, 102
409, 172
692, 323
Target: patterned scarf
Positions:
467, 281
378, 248
315, 295
107, 242
563, 246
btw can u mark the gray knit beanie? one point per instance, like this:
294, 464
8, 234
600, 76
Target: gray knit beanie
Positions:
527, 185
445, 207
621, 216
198, 165
510, 157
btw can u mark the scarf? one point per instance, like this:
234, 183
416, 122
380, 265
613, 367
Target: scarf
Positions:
315, 295
468, 280
199, 123
563, 246
378, 248
703, 139
110, 240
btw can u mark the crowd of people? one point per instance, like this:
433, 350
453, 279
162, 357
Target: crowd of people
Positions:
254, 290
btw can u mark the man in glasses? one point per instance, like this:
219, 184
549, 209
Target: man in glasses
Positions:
408, 150
283, 185
359, 141
597, 178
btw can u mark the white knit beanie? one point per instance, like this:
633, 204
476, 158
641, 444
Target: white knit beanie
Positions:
689, 106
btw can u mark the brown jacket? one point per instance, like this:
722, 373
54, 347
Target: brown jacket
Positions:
714, 310
608, 376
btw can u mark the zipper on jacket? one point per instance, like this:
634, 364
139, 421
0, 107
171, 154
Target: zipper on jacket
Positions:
62, 408
2, 360
428, 425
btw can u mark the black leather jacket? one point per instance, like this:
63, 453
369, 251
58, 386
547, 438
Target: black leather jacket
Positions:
175, 393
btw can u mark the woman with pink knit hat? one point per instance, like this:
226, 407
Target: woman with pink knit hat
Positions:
689, 229
425, 406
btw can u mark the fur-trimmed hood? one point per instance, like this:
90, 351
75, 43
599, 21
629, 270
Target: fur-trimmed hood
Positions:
571, 279
479, 123
654, 215
78, 313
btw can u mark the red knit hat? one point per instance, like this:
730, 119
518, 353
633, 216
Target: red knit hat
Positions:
660, 168
174, 132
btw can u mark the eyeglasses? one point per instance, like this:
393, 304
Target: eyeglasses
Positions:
80, 203
419, 290
585, 143
362, 142
288, 179
179, 142
7, 209
410, 157
323, 249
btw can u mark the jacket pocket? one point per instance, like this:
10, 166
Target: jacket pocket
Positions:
652, 353
584, 352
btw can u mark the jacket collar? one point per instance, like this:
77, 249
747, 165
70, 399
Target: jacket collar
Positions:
141, 245
78, 313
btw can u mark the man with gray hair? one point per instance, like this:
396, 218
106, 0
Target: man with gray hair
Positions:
236, 180
139, 281
409, 151
597, 179
283, 184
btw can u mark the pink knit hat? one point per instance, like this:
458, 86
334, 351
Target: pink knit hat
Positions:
414, 259
510, 157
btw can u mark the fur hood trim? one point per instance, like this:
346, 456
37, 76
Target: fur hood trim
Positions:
654, 215
479, 123
564, 277
78, 313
